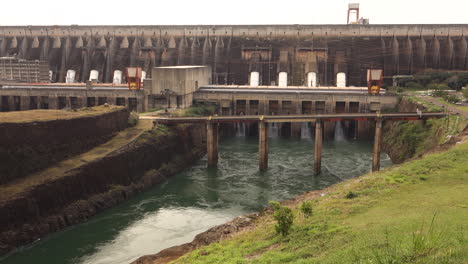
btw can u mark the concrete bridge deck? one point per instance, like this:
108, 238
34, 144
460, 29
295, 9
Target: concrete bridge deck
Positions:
293, 118
212, 127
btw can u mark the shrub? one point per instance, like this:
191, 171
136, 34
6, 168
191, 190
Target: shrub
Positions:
452, 99
414, 85
465, 92
284, 218
351, 195
133, 119
306, 208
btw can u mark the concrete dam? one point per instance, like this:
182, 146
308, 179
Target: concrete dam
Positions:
233, 52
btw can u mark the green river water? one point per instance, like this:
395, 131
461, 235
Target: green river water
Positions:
174, 212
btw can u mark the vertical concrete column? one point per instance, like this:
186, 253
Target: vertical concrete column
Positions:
280, 107
247, 107
266, 107
260, 107
112, 100
53, 102
82, 101
212, 143
145, 102
25, 103
263, 145
318, 147
234, 107
11, 103
377, 145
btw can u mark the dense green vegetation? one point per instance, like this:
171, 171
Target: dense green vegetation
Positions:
199, 110
429, 107
412, 139
412, 213
434, 80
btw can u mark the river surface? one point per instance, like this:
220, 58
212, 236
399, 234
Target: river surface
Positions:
199, 198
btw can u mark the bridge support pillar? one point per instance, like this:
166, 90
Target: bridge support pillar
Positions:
212, 143
318, 147
377, 145
263, 145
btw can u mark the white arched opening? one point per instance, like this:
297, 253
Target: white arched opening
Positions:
312, 79
341, 79
70, 76
94, 75
283, 79
117, 77
254, 79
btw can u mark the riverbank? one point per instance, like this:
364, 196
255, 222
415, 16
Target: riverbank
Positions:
411, 213
77, 188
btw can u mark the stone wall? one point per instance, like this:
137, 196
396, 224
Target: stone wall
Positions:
80, 193
26, 147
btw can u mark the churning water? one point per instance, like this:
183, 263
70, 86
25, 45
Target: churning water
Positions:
199, 198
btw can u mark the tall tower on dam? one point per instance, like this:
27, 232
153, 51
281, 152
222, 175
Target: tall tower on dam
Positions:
235, 51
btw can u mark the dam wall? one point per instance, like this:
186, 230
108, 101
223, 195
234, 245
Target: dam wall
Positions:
233, 51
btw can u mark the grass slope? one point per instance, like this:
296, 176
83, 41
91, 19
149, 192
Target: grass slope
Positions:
412, 213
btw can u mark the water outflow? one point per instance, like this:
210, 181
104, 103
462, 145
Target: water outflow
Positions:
175, 211
240, 129
273, 130
339, 133
305, 131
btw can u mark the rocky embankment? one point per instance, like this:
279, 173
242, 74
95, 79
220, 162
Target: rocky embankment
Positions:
34, 140
80, 193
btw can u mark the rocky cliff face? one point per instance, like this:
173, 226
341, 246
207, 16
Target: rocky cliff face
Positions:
82, 192
26, 147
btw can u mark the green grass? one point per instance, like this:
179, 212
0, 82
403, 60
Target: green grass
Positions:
412, 213
429, 106
198, 110
463, 108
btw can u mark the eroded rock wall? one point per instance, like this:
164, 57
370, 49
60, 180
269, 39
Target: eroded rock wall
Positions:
27, 147
82, 192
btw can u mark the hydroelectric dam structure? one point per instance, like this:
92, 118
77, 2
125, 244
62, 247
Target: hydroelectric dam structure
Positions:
234, 51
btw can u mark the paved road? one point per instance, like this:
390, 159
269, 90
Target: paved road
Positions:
450, 108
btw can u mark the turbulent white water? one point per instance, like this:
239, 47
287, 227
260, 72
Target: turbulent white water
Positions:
240, 129
305, 131
273, 130
339, 133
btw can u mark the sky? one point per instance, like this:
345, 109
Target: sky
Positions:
219, 12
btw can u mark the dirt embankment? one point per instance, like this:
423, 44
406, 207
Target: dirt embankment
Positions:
28, 146
80, 193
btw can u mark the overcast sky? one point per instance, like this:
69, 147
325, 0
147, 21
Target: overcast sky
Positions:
212, 12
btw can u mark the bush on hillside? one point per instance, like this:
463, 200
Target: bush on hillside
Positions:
133, 119
306, 208
284, 218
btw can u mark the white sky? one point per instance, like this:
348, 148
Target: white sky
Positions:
212, 12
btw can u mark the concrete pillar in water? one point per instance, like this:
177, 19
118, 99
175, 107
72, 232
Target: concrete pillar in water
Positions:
377, 143
263, 145
212, 143
318, 147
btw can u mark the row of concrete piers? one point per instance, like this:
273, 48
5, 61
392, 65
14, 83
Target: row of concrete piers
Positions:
213, 142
